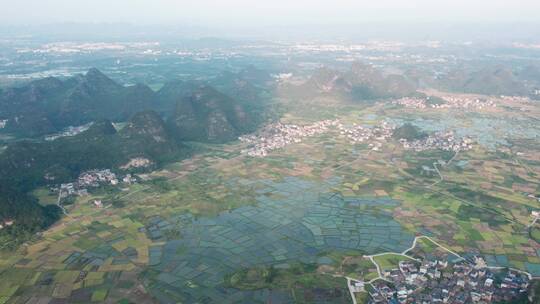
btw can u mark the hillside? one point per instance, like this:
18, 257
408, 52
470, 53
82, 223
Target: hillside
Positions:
26, 165
194, 112
49, 105
209, 115
360, 83
238, 88
409, 132
171, 93
494, 80
29, 216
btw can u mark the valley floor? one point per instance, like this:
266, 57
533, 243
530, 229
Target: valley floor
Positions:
224, 226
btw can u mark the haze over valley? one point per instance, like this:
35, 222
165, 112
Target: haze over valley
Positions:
345, 152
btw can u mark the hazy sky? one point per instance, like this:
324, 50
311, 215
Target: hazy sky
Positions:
234, 13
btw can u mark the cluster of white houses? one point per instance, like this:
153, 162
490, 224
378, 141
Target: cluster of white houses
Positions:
6, 223
92, 179
411, 102
438, 281
69, 131
446, 141
462, 102
523, 99
278, 135
376, 135
451, 102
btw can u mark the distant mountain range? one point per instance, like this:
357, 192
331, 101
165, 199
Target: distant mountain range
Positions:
361, 83
49, 105
494, 80
491, 80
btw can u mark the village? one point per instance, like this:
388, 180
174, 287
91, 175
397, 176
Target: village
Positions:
278, 135
91, 179
461, 102
523, 99
411, 102
376, 135
441, 281
6, 223
69, 131
451, 102
446, 141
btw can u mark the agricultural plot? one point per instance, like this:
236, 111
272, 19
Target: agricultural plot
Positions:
211, 228
293, 221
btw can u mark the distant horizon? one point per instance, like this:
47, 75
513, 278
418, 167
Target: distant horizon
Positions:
280, 19
414, 31
267, 13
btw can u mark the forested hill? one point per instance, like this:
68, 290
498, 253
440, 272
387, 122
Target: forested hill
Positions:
49, 105
157, 125
26, 165
360, 83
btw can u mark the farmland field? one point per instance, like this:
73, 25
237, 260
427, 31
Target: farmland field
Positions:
221, 226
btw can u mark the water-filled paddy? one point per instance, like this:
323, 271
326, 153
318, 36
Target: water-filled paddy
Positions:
293, 221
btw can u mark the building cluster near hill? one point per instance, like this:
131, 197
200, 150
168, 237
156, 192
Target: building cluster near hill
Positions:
446, 141
450, 102
92, 179
516, 98
278, 135
375, 136
461, 102
138, 162
438, 281
411, 102
378, 135
6, 223
69, 131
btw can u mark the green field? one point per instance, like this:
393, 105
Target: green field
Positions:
292, 224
